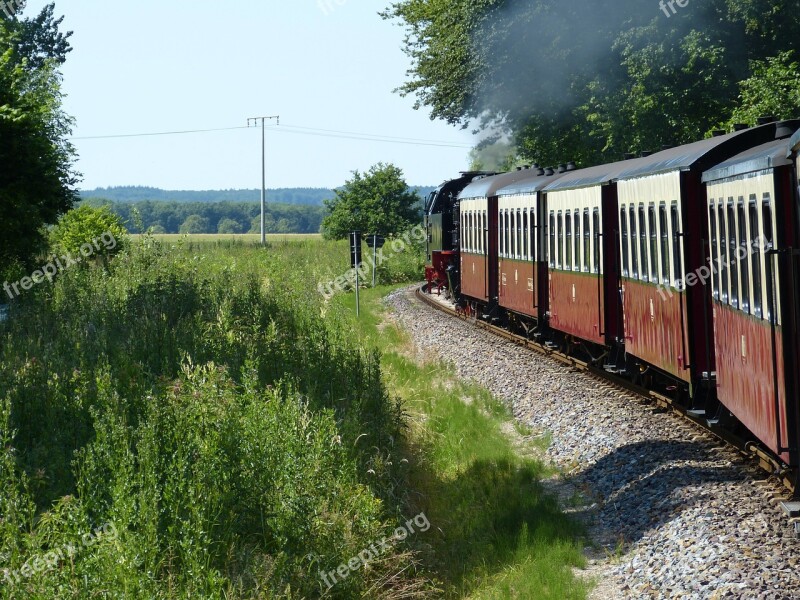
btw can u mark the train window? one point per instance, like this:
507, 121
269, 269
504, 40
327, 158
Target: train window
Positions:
662, 218
533, 235
642, 243
651, 221
623, 226
723, 253
712, 224
552, 257
525, 234
467, 233
519, 233
732, 248
484, 233
676, 240
587, 241
568, 236
502, 242
577, 245
560, 255
755, 256
768, 242
744, 269
634, 253
512, 234
596, 228
506, 235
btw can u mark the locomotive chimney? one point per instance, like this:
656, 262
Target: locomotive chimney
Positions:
783, 130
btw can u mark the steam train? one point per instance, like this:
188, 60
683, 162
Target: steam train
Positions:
677, 270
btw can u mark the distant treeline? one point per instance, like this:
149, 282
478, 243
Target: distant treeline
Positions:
214, 217
303, 196
308, 196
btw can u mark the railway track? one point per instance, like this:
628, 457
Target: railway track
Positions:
747, 448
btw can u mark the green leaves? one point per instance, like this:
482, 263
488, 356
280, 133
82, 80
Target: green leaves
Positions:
37, 181
377, 201
592, 79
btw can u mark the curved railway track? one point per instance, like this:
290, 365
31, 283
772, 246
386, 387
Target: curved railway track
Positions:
765, 460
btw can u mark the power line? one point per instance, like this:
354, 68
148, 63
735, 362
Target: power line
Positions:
294, 129
134, 135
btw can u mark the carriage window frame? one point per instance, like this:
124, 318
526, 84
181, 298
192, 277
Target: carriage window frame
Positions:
724, 265
756, 272
587, 241
597, 252
733, 298
560, 241
744, 269
664, 233
623, 227
634, 242
653, 248
525, 236
713, 250
677, 233
643, 245
551, 259
577, 239
568, 240
769, 237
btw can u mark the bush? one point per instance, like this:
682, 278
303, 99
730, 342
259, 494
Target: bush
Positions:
89, 232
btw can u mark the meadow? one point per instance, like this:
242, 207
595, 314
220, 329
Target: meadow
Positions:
195, 421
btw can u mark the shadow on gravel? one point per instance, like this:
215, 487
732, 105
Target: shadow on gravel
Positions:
641, 486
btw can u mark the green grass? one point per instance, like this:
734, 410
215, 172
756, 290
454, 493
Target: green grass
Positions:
496, 533
242, 434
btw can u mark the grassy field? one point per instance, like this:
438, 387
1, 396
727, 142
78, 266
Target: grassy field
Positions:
197, 421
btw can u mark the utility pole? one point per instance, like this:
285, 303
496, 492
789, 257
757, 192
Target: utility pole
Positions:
254, 121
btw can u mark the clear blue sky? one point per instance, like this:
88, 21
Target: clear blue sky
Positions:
152, 66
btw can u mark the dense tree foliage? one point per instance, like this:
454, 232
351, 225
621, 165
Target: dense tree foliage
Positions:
37, 180
214, 217
591, 79
378, 201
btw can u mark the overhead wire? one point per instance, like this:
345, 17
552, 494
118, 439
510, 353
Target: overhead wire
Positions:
292, 129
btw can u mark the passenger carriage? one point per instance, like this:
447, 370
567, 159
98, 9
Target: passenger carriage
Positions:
522, 266
478, 224
580, 213
751, 214
666, 304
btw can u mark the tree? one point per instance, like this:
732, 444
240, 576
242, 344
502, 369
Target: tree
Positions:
773, 89
379, 201
90, 232
591, 79
37, 180
229, 226
195, 224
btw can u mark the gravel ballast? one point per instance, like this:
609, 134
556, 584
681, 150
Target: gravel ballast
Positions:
673, 513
